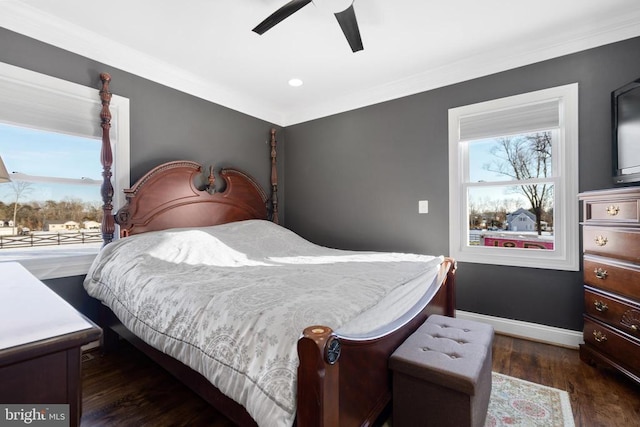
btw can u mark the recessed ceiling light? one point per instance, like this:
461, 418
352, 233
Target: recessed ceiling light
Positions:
295, 82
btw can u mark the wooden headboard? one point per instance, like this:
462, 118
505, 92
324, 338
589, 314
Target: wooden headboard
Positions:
167, 196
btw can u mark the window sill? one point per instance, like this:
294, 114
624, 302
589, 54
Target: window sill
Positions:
528, 258
55, 261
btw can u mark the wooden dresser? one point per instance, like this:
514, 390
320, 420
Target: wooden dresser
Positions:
611, 239
40, 347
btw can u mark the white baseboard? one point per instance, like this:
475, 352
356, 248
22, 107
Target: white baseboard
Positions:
527, 330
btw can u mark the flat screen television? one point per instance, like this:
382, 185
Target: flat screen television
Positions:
625, 115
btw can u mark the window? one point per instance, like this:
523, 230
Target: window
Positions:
513, 166
50, 141
55, 187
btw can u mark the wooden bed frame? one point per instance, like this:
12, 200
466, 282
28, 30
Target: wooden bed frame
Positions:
342, 381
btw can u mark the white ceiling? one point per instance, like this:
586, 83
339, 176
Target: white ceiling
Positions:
206, 47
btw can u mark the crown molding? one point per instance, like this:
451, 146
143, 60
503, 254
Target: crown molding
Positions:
21, 18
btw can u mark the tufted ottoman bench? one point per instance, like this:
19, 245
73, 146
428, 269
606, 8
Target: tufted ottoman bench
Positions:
442, 374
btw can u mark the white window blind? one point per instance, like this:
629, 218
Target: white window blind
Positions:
539, 116
70, 109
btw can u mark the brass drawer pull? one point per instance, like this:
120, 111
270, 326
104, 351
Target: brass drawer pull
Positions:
601, 273
599, 336
613, 210
601, 306
601, 240
631, 319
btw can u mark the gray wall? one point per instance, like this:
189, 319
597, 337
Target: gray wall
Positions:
72, 290
354, 179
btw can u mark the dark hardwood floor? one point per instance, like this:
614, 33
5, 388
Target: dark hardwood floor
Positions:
127, 389
599, 397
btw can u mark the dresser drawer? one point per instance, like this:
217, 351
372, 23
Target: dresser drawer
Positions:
613, 242
624, 315
612, 276
605, 339
615, 211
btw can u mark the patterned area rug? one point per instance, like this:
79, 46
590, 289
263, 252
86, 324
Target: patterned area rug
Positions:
518, 403
515, 402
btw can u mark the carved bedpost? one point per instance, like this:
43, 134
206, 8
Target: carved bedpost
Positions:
106, 158
318, 378
274, 179
451, 287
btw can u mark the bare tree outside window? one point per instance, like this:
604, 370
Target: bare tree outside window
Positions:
19, 189
525, 157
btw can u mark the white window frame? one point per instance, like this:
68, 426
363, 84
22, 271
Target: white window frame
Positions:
565, 255
64, 107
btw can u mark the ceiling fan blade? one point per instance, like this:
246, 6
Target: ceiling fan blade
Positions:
349, 25
279, 15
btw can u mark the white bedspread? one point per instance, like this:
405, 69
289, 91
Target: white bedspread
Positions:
231, 301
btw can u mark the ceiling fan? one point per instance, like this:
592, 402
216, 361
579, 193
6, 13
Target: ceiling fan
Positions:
346, 18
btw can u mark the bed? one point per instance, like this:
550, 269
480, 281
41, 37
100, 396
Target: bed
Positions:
269, 328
